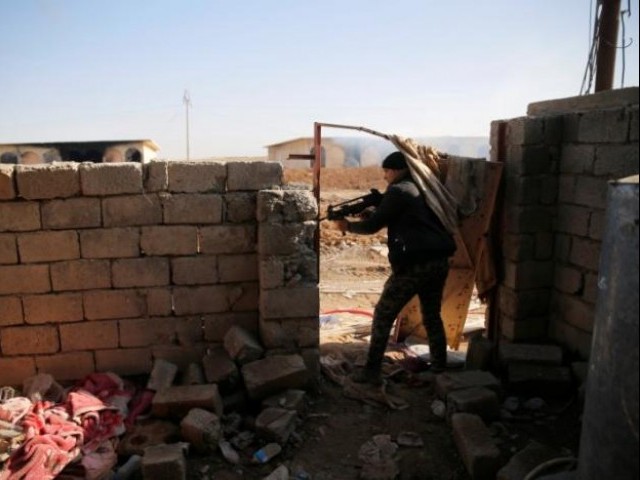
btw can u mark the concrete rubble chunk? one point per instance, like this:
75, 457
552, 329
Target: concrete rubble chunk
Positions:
220, 368
273, 374
478, 450
276, 424
242, 346
201, 429
450, 381
477, 400
164, 462
146, 433
162, 375
539, 379
528, 353
176, 401
526, 460
290, 400
193, 375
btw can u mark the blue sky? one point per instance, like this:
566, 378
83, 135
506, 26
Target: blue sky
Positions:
262, 71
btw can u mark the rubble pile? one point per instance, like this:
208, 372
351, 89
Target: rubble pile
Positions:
238, 407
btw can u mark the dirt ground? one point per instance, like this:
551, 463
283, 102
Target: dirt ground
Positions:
338, 423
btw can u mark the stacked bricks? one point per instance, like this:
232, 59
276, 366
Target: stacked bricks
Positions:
289, 295
558, 162
108, 267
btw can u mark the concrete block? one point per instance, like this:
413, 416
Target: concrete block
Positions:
110, 243
156, 175
574, 311
276, 424
242, 346
202, 176
509, 353
217, 325
140, 332
140, 272
286, 206
451, 381
291, 399
285, 239
477, 448
66, 366
568, 279
19, 216
201, 429
228, 239
14, 370
71, 213
525, 130
585, 253
526, 460
273, 374
591, 192
617, 161
567, 188
529, 219
7, 188
105, 304
48, 246
523, 303
573, 219
291, 333
633, 123
124, 361
21, 279
162, 375
604, 126
80, 275
240, 207
253, 175
523, 329
161, 240
243, 296
8, 249
271, 272
529, 274
238, 268
10, 311
53, 308
277, 303
597, 225
202, 299
192, 208
577, 159
88, 336
177, 400
477, 400
181, 355
164, 462
131, 210
192, 375
36, 182
542, 380
518, 247
101, 179
219, 368
146, 433
479, 353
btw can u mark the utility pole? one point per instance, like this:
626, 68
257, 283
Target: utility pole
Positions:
607, 44
186, 99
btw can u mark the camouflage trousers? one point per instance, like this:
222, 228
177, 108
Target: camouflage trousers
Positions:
427, 280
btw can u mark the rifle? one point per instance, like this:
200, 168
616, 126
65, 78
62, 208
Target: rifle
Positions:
354, 206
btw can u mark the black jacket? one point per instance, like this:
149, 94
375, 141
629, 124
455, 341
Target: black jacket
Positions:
415, 234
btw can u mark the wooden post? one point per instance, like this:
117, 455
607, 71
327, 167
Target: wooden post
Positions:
607, 44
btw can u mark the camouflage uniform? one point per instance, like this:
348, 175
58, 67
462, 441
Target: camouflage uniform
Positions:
427, 281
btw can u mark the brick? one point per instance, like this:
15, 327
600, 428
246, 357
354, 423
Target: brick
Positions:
161, 240
192, 375
124, 361
567, 188
240, 207
452, 381
544, 246
156, 175
528, 219
536, 379
110, 178
71, 213
110, 243
591, 192
242, 346
8, 249
24, 279
291, 333
604, 126
89, 336
177, 400
164, 462
522, 190
202, 176
36, 182
57, 308
617, 161
7, 188
277, 303
10, 311
253, 175
523, 329
562, 247
585, 253
476, 400
159, 301
553, 129
286, 206
568, 279
216, 326
237, 268
219, 368
140, 332
29, 340
574, 311
272, 374
577, 158
193, 300
140, 272
276, 424
573, 219
48, 246
477, 448
271, 272
194, 208
189, 330
199, 270
131, 210
182, 356
528, 274
202, 429
523, 303
597, 225
518, 247
591, 290
243, 296
14, 370
80, 275
228, 239
19, 216
107, 304
537, 159
525, 130
162, 375
287, 239
524, 461
529, 353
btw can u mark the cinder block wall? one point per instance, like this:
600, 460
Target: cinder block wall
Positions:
558, 162
105, 267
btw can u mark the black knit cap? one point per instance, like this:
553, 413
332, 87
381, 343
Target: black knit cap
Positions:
395, 161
